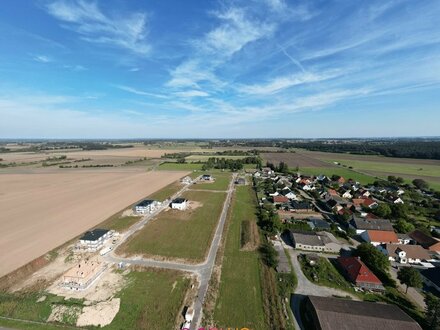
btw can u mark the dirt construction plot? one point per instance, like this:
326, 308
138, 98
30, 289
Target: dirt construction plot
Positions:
42, 210
293, 159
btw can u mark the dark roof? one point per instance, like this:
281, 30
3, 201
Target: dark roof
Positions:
336, 314
371, 224
308, 238
94, 234
178, 200
319, 223
432, 274
422, 239
145, 202
300, 205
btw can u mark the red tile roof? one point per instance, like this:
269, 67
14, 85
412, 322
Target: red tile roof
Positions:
333, 192
382, 236
369, 201
357, 271
280, 199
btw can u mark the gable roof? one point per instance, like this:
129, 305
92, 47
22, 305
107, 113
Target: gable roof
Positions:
280, 199
371, 224
357, 271
424, 240
336, 314
412, 251
382, 236
308, 238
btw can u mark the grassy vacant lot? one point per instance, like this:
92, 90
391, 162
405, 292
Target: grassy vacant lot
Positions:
180, 234
166, 192
324, 273
221, 182
240, 302
179, 167
151, 300
345, 172
118, 222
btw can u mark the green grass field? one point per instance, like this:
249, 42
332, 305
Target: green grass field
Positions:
221, 182
166, 192
119, 223
240, 302
180, 167
346, 173
180, 234
393, 168
151, 300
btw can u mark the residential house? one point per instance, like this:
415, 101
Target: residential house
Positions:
179, 204
240, 181
207, 177
431, 277
147, 206
300, 206
328, 313
316, 223
359, 274
370, 203
268, 171
396, 200
288, 193
94, 240
280, 199
341, 180
361, 224
378, 237
347, 194
315, 241
404, 238
82, 274
186, 180
428, 242
404, 253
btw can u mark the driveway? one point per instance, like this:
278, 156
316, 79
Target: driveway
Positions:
412, 294
306, 288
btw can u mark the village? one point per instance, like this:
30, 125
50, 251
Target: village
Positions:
334, 229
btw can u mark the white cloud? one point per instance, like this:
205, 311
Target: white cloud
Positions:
191, 93
139, 92
189, 74
94, 26
42, 58
280, 83
236, 31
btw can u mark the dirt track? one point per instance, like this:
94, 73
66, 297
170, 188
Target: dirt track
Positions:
42, 210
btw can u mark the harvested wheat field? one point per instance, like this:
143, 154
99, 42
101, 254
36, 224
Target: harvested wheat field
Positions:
294, 159
40, 210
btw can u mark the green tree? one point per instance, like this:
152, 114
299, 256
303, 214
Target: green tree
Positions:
403, 226
373, 258
383, 210
391, 178
400, 180
420, 184
432, 311
269, 255
410, 277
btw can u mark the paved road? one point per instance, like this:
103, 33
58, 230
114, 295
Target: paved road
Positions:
305, 287
203, 270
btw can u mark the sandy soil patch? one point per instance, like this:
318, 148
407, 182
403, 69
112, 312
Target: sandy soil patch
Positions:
100, 314
105, 287
62, 313
41, 210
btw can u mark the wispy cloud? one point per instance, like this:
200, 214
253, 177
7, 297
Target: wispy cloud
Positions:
140, 92
86, 18
42, 58
191, 93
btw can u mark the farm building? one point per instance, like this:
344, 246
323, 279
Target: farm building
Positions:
327, 313
93, 240
404, 253
82, 275
314, 241
179, 204
147, 206
359, 274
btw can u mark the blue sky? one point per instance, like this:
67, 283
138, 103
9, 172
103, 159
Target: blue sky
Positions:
219, 69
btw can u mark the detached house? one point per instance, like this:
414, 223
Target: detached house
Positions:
359, 274
404, 253
179, 204
147, 206
361, 224
378, 237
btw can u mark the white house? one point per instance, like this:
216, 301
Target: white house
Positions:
179, 204
147, 206
404, 254
404, 238
291, 195
397, 200
308, 187
186, 180
347, 194
94, 240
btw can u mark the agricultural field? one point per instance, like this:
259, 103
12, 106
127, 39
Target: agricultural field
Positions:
180, 167
204, 158
341, 171
294, 159
221, 182
240, 301
180, 234
43, 209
